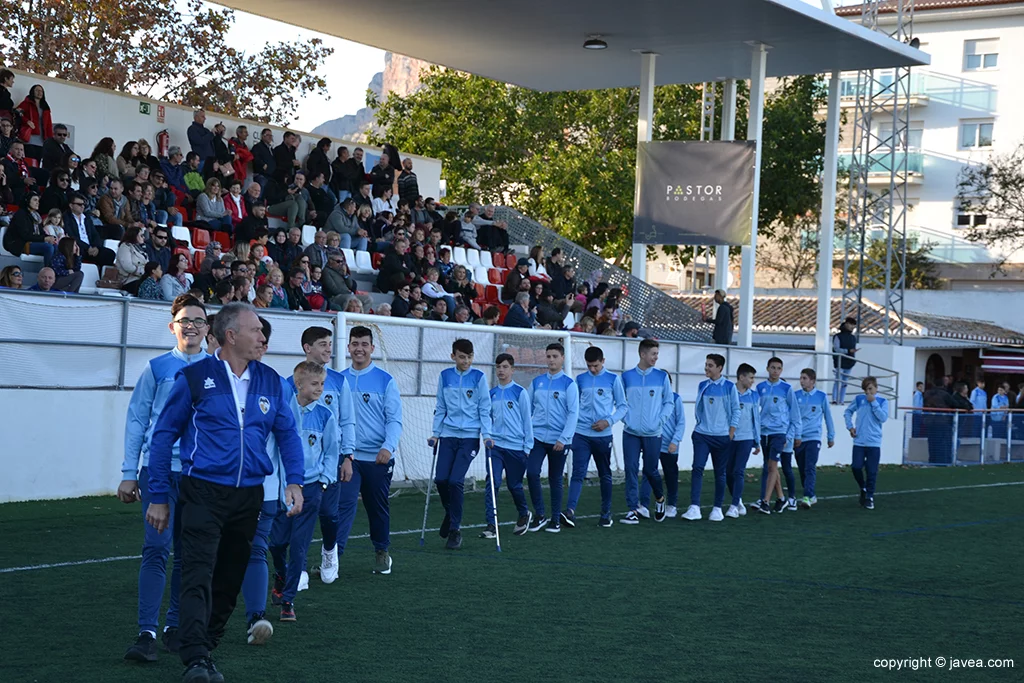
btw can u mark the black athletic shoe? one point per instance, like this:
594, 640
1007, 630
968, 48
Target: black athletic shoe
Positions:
863, 497
605, 522
489, 532
763, 507
523, 524
275, 593
869, 504
143, 649
215, 676
780, 506
659, 510
454, 540
568, 519
539, 523
554, 528
197, 671
287, 612
446, 526
170, 639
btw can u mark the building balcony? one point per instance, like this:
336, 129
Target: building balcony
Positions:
879, 171
925, 86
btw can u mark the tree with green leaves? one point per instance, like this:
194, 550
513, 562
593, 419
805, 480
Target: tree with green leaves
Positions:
152, 49
996, 190
920, 268
569, 158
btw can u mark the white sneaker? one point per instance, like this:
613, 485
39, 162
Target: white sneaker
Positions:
329, 565
693, 513
814, 499
643, 512
304, 581
742, 508
259, 632
733, 512
716, 515
671, 511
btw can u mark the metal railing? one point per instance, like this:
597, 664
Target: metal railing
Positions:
942, 436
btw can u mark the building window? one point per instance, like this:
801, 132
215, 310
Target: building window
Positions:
980, 55
975, 134
970, 220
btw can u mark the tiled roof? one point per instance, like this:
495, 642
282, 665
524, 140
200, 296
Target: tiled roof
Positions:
798, 314
889, 7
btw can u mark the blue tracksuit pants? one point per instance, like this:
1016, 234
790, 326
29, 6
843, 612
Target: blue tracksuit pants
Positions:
290, 538
632, 448
583, 449
453, 459
373, 482
156, 549
556, 468
513, 463
254, 585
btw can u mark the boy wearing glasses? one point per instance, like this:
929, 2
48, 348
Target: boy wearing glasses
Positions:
189, 326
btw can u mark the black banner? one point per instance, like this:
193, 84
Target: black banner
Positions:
694, 193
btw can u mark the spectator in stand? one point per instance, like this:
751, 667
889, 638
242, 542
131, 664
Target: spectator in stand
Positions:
79, 225
53, 225
293, 291
416, 293
127, 160
223, 292
141, 203
213, 253
563, 280
393, 270
157, 248
67, 266
253, 224
556, 263
491, 233
7, 135
57, 193
401, 305
314, 290
164, 201
174, 169
115, 212
195, 184
5, 196
321, 200
276, 280
434, 291
243, 289
420, 215
519, 314
363, 197
319, 161
174, 283
25, 234
36, 124
437, 311
548, 315
289, 201
131, 259
146, 156
234, 204
417, 261
460, 286
103, 154
514, 278
56, 149
418, 310
536, 264
343, 221
356, 306
317, 252
384, 201
382, 175
19, 178
6, 101
200, 138
72, 164
210, 208
338, 289
275, 250
259, 262
284, 158
586, 325
207, 282
408, 184
462, 315
11, 277
252, 195
221, 164
382, 310
347, 173
264, 296
240, 153
490, 316
150, 288
467, 231
263, 165
284, 254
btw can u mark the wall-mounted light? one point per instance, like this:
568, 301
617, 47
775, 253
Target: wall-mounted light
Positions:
594, 42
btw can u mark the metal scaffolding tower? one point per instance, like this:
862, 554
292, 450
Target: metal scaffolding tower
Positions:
875, 244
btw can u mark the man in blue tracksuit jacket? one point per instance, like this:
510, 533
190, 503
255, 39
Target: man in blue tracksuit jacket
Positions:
780, 424
814, 405
556, 405
148, 398
378, 406
512, 420
716, 415
671, 436
747, 439
602, 404
223, 409
864, 418
318, 346
461, 416
321, 445
649, 396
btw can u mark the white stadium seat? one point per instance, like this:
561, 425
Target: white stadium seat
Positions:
90, 274
363, 263
485, 259
459, 256
480, 275
473, 257
350, 258
112, 245
4, 252
182, 235
308, 232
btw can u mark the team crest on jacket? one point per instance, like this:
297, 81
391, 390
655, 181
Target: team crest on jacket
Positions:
600, 392
469, 393
775, 399
327, 399
711, 399
264, 404
814, 408
509, 404
312, 439
555, 395
366, 398
652, 393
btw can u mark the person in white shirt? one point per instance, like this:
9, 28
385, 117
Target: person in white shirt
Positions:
433, 290
385, 202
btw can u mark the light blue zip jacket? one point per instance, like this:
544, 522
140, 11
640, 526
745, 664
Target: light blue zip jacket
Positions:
780, 413
556, 407
868, 419
318, 430
512, 417
979, 399
675, 426
749, 428
814, 405
717, 407
998, 402
147, 402
378, 409
338, 400
649, 395
601, 398
463, 409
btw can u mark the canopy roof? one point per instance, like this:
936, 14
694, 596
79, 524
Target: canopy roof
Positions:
538, 44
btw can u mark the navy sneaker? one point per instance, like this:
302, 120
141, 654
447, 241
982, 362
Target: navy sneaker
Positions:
446, 526
198, 671
539, 523
489, 532
170, 639
763, 507
869, 503
554, 528
143, 649
454, 540
523, 524
287, 612
780, 506
568, 518
605, 522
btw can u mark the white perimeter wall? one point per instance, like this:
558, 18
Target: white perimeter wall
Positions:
65, 444
93, 113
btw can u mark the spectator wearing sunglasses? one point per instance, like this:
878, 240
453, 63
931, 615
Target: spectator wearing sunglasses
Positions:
11, 277
58, 194
56, 148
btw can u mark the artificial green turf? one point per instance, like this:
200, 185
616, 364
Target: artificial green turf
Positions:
804, 596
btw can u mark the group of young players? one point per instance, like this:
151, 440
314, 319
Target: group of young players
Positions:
350, 426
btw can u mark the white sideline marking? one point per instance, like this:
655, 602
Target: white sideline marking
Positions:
405, 532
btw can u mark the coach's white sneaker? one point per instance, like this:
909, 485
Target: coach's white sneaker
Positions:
732, 512
741, 508
304, 581
693, 513
328, 564
671, 511
716, 515
643, 512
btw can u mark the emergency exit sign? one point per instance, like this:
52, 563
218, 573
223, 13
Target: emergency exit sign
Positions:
144, 108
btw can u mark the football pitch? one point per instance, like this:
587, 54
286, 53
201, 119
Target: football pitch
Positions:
936, 570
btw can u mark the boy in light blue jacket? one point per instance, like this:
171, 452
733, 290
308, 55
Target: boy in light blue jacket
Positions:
864, 418
716, 417
748, 438
814, 406
512, 419
671, 436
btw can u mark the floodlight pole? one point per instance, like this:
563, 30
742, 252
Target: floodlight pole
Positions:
826, 235
728, 133
754, 126
644, 126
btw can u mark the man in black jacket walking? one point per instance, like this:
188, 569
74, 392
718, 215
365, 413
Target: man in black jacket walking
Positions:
723, 320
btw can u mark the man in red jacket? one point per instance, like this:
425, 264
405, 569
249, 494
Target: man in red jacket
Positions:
242, 154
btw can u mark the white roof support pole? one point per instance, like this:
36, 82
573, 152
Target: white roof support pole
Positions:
728, 133
754, 126
826, 234
644, 127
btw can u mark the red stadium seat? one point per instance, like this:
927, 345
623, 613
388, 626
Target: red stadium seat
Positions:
480, 290
223, 238
200, 238
504, 311
375, 259
183, 250
197, 260
492, 295
494, 276
510, 261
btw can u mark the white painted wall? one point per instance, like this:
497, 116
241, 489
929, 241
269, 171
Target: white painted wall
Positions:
94, 113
